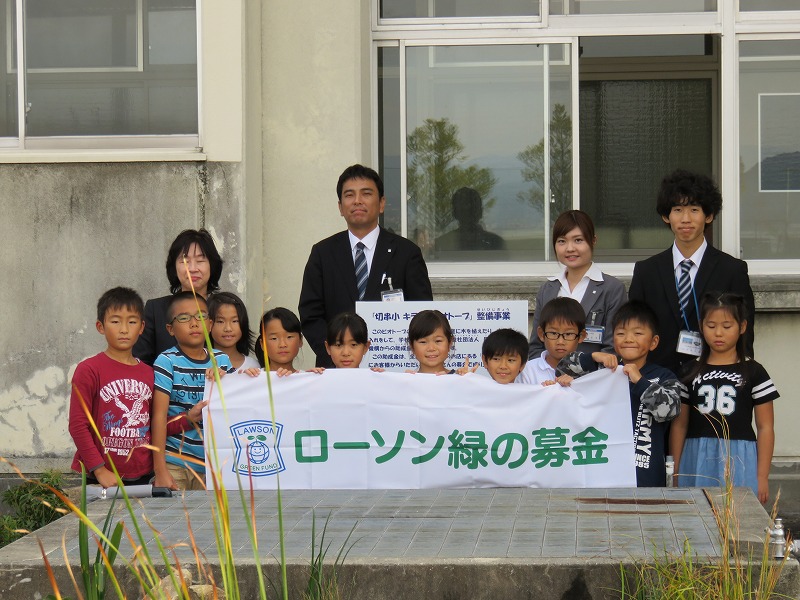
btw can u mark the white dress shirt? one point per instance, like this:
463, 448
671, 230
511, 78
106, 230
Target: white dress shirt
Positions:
593, 274
370, 241
678, 258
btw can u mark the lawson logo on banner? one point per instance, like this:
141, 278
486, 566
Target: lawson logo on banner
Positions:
257, 445
357, 429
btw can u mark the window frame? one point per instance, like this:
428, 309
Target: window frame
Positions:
437, 23
468, 268
183, 146
726, 22
760, 266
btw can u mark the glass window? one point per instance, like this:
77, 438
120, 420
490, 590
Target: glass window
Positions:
484, 124
617, 7
633, 132
645, 46
80, 34
389, 135
8, 76
172, 32
753, 5
107, 67
410, 9
769, 143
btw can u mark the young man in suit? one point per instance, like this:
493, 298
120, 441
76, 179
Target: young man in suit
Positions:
673, 282
357, 264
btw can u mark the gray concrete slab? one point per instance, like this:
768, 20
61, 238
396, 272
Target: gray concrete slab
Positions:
475, 543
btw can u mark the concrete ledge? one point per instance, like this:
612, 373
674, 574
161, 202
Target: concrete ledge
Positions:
361, 579
748, 520
477, 543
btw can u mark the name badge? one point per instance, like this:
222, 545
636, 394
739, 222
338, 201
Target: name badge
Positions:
690, 342
594, 334
392, 295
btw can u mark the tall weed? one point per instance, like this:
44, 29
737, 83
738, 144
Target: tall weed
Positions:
739, 573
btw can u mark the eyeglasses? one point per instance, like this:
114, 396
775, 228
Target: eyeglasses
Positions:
186, 317
570, 336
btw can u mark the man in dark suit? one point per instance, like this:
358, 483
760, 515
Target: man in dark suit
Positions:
357, 264
688, 203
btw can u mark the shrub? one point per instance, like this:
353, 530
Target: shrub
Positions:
34, 506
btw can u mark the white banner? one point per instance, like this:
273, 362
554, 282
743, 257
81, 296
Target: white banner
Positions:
356, 429
471, 321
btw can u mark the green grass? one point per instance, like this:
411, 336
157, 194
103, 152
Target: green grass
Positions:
34, 505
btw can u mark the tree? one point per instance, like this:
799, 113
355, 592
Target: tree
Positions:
560, 165
435, 156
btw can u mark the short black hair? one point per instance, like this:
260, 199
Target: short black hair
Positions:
181, 245
119, 297
289, 322
635, 310
215, 301
563, 309
682, 188
359, 172
425, 322
180, 296
505, 341
347, 321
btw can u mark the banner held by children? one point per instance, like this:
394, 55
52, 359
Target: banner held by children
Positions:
471, 321
357, 429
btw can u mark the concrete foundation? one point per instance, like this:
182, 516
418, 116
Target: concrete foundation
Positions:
478, 543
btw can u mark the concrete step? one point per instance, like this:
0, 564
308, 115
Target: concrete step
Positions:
476, 543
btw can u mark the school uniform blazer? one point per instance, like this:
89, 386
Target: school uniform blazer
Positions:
653, 282
329, 281
601, 297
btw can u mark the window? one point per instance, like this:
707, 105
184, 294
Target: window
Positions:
612, 7
767, 5
98, 68
488, 147
646, 107
405, 9
486, 133
769, 130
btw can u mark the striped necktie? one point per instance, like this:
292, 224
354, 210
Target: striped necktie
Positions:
685, 284
361, 270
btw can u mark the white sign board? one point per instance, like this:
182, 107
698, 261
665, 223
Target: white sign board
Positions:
471, 322
357, 429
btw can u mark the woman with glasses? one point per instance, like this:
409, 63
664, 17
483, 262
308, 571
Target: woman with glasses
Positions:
600, 295
193, 265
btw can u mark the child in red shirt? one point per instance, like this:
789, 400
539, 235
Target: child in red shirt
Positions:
114, 390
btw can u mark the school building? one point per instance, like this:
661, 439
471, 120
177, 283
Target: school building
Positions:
123, 122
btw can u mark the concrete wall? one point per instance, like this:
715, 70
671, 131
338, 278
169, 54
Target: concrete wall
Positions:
70, 232
776, 348
316, 123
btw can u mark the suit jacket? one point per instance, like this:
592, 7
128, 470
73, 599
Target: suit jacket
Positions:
329, 282
602, 298
155, 338
653, 282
